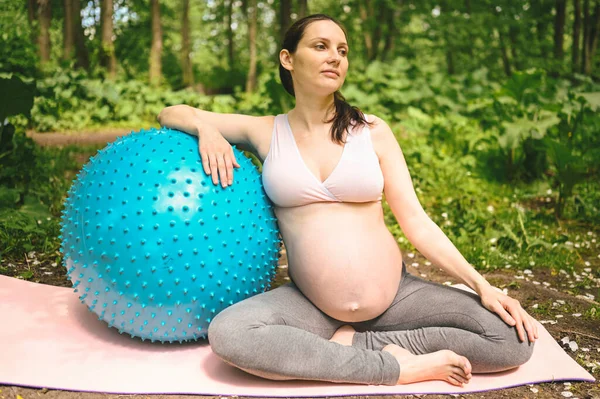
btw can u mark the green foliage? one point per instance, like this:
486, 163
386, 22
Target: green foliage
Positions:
18, 53
32, 181
570, 170
70, 100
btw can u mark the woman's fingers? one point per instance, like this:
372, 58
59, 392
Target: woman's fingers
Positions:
219, 166
528, 326
514, 308
504, 315
205, 161
519, 325
214, 167
218, 158
524, 322
222, 169
229, 166
234, 160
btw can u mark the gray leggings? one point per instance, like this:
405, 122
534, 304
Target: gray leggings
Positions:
281, 335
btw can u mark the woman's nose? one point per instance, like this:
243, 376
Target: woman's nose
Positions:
334, 56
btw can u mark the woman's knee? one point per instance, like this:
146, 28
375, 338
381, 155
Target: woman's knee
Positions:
509, 353
521, 351
225, 334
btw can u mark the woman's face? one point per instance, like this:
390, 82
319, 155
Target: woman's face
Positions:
320, 62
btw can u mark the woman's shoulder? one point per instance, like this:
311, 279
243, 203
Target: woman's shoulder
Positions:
377, 126
380, 132
260, 130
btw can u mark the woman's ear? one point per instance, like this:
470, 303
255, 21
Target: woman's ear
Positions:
286, 59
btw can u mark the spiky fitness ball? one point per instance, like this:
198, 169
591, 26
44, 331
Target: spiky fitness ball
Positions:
154, 248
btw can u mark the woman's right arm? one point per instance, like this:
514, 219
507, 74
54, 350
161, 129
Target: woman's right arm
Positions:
216, 132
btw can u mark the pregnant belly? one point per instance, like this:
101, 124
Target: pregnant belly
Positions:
344, 260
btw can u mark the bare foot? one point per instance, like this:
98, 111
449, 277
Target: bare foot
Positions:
442, 365
344, 335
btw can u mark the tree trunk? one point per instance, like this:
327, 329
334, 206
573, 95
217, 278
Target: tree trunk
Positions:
540, 10
156, 46
513, 33
68, 34
390, 39
447, 40
285, 11
107, 47
559, 29
186, 62
593, 39
469, 11
450, 60
44, 18
364, 18
586, 32
591, 27
230, 44
382, 10
31, 17
302, 8
576, 36
82, 59
252, 27
505, 59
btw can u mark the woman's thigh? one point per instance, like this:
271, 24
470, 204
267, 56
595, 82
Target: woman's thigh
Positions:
284, 305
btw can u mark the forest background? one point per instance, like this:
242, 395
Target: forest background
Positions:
495, 104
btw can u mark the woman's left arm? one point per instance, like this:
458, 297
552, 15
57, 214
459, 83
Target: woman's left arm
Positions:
430, 240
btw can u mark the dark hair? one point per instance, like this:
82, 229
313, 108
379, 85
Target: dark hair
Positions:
345, 114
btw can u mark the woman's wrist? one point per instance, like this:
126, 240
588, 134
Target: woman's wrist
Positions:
480, 285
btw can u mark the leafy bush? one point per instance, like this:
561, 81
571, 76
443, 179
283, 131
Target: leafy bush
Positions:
32, 179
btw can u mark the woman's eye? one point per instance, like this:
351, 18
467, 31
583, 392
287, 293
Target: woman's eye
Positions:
320, 46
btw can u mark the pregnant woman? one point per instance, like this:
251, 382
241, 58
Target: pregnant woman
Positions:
351, 313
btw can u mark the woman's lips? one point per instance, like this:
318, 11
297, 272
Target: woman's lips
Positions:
330, 74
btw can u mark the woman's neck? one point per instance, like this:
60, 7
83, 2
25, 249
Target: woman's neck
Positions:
310, 114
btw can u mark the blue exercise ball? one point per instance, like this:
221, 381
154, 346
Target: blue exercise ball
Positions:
154, 248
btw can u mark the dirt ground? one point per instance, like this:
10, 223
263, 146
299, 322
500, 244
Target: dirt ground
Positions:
566, 304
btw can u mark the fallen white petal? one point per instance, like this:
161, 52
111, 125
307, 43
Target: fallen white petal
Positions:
573, 346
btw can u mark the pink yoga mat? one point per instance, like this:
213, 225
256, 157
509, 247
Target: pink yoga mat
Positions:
49, 339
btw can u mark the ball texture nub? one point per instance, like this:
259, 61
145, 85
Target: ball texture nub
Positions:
154, 248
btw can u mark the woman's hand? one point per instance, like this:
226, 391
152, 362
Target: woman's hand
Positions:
510, 311
218, 158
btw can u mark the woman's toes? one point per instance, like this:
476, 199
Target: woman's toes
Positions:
468, 369
458, 372
454, 381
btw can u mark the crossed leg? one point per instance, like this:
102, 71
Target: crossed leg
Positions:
281, 335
